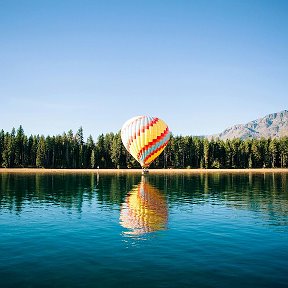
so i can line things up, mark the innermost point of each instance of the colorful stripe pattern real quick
(144, 210)
(145, 138)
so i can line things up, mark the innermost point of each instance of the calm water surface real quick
(82, 230)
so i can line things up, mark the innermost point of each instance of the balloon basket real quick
(145, 171)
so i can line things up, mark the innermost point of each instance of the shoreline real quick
(139, 171)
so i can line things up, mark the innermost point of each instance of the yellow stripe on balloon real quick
(148, 135)
(153, 157)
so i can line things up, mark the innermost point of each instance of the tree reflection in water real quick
(144, 207)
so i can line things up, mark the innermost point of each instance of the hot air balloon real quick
(145, 138)
(144, 210)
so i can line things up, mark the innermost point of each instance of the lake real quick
(128, 230)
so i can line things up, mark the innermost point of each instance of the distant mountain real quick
(273, 125)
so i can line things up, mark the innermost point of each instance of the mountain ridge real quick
(274, 125)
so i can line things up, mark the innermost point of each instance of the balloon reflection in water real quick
(145, 210)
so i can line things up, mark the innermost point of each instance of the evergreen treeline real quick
(71, 151)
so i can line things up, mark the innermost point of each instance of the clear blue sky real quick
(201, 66)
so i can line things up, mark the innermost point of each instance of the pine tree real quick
(41, 150)
(273, 149)
(8, 154)
(100, 152)
(206, 153)
(88, 153)
(19, 147)
(117, 151)
(256, 154)
(2, 139)
(199, 152)
(283, 147)
(80, 142)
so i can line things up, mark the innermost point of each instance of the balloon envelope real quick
(145, 138)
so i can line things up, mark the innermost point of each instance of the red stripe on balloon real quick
(134, 136)
(153, 142)
(154, 152)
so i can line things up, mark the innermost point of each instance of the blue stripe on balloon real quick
(154, 147)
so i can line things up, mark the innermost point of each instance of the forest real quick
(69, 150)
